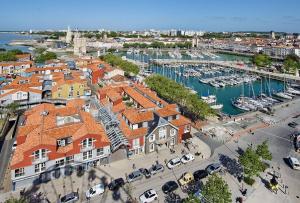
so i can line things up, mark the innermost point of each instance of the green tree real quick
(176, 93)
(251, 162)
(191, 199)
(45, 57)
(292, 63)
(263, 151)
(15, 200)
(216, 190)
(261, 60)
(12, 108)
(127, 66)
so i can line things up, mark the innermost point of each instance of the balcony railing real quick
(39, 160)
(87, 148)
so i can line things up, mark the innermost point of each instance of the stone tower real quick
(79, 44)
(69, 36)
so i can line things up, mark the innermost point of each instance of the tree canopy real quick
(251, 162)
(177, 93)
(216, 190)
(41, 58)
(127, 66)
(291, 63)
(262, 60)
(10, 55)
(251, 159)
(263, 151)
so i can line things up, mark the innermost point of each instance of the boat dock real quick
(227, 64)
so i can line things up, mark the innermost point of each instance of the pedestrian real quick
(133, 166)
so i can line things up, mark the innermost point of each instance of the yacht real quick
(292, 91)
(283, 95)
(217, 106)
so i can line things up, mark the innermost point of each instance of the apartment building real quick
(15, 67)
(70, 85)
(148, 122)
(22, 89)
(56, 141)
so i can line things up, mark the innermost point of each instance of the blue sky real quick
(208, 15)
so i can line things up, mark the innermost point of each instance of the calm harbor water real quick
(224, 95)
(6, 38)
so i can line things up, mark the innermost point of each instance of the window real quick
(87, 143)
(87, 155)
(39, 154)
(100, 152)
(60, 162)
(40, 167)
(69, 159)
(151, 147)
(173, 132)
(162, 132)
(19, 172)
(172, 141)
(151, 138)
(136, 142)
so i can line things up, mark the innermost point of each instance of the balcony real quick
(40, 160)
(87, 148)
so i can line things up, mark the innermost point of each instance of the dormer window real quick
(40, 154)
(64, 141)
(87, 142)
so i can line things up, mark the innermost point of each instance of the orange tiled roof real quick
(135, 116)
(181, 121)
(140, 99)
(150, 93)
(113, 95)
(129, 133)
(165, 112)
(40, 130)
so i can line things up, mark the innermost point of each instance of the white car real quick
(148, 196)
(294, 163)
(95, 190)
(187, 158)
(173, 162)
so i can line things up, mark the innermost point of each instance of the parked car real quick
(173, 162)
(71, 197)
(94, 191)
(169, 186)
(213, 168)
(187, 158)
(185, 179)
(294, 162)
(148, 196)
(146, 172)
(200, 174)
(292, 124)
(156, 169)
(116, 184)
(134, 176)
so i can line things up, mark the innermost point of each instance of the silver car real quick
(134, 176)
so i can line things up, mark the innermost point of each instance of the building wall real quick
(31, 177)
(167, 140)
(64, 90)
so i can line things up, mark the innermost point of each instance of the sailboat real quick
(283, 94)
